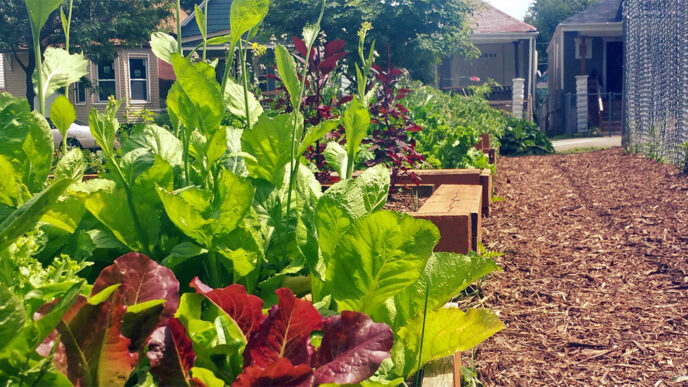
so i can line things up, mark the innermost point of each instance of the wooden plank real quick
(440, 373)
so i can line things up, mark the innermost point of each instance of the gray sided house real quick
(507, 52)
(586, 59)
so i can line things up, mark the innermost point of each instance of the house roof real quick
(604, 11)
(490, 20)
(218, 19)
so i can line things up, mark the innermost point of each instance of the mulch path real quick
(594, 288)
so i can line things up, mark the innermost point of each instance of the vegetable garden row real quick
(207, 251)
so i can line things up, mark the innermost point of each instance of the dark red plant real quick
(171, 355)
(280, 352)
(390, 142)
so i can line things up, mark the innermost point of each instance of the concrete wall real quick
(15, 84)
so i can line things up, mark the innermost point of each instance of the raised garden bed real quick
(456, 211)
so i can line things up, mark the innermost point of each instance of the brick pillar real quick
(582, 102)
(518, 89)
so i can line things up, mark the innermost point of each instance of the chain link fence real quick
(656, 78)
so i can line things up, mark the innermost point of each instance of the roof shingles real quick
(489, 20)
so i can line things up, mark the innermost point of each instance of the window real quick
(80, 92)
(588, 48)
(138, 79)
(106, 81)
(2, 72)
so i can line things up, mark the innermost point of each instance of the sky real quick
(515, 8)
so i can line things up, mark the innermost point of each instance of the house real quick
(586, 56)
(507, 52)
(135, 74)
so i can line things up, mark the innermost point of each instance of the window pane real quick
(139, 91)
(105, 89)
(80, 92)
(106, 71)
(137, 68)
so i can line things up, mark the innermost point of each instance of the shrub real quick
(522, 138)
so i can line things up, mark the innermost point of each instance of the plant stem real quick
(179, 26)
(205, 33)
(244, 73)
(39, 69)
(228, 65)
(214, 269)
(422, 332)
(69, 25)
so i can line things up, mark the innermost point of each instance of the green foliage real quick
(524, 138)
(452, 126)
(418, 34)
(60, 69)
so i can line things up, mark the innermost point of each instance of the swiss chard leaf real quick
(234, 101)
(286, 66)
(285, 333)
(446, 332)
(352, 349)
(62, 114)
(39, 11)
(60, 69)
(337, 158)
(26, 217)
(199, 85)
(268, 142)
(356, 124)
(448, 275)
(163, 46)
(244, 15)
(379, 256)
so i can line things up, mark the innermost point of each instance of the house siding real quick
(15, 78)
(122, 87)
(572, 65)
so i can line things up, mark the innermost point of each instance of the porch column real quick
(518, 90)
(582, 102)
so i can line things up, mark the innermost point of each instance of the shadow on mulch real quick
(595, 283)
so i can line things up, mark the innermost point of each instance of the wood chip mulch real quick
(594, 287)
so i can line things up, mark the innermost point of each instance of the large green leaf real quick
(205, 217)
(60, 69)
(62, 114)
(286, 67)
(317, 132)
(71, 165)
(163, 46)
(269, 142)
(27, 143)
(157, 140)
(379, 256)
(448, 274)
(198, 82)
(363, 195)
(446, 331)
(234, 101)
(26, 217)
(244, 15)
(39, 11)
(12, 316)
(356, 124)
(200, 20)
(336, 158)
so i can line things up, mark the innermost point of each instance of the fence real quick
(656, 77)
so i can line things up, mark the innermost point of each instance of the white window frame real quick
(3, 84)
(96, 96)
(75, 88)
(588, 48)
(145, 56)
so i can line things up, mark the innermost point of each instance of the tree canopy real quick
(547, 14)
(418, 33)
(98, 26)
